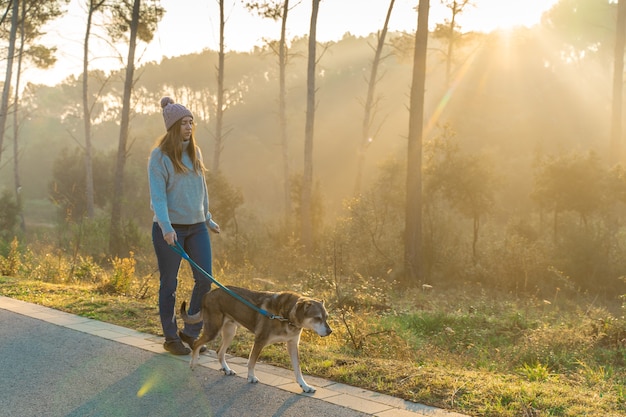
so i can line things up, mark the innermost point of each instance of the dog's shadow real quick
(164, 386)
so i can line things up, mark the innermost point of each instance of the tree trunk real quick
(618, 80)
(89, 191)
(476, 230)
(4, 105)
(451, 44)
(115, 236)
(413, 212)
(555, 225)
(16, 159)
(219, 113)
(456, 7)
(369, 103)
(3, 18)
(282, 111)
(307, 178)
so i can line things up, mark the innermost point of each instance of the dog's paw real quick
(307, 388)
(253, 379)
(228, 371)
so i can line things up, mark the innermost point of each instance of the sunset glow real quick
(181, 32)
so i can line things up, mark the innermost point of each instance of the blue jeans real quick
(194, 238)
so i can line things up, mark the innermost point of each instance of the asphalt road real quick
(53, 370)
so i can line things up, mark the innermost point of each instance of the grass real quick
(468, 350)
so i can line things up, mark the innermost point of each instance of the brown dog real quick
(223, 312)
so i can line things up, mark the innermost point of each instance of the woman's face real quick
(186, 127)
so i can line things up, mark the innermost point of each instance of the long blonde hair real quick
(171, 145)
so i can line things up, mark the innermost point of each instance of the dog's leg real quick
(292, 348)
(209, 332)
(229, 328)
(195, 356)
(254, 356)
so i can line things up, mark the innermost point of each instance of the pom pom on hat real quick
(173, 112)
(165, 101)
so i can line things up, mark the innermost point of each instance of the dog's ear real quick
(302, 305)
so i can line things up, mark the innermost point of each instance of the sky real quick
(193, 25)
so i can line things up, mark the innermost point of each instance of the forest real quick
(522, 176)
(521, 187)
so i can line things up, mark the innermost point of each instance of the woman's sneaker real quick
(176, 347)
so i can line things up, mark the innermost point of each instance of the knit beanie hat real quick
(173, 112)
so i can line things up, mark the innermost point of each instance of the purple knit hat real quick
(173, 112)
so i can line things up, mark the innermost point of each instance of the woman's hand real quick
(170, 238)
(214, 227)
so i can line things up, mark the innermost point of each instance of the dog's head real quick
(311, 314)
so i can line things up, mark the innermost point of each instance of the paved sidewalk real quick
(57, 364)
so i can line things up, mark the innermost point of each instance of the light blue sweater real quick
(176, 198)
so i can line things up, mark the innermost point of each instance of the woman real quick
(180, 202)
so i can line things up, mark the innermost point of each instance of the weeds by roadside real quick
(476, 353)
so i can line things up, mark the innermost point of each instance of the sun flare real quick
(489, 15)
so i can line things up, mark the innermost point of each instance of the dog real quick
(222, 312)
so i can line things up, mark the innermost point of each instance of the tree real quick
(225, 199)
(16, 171)
(618, 81)
(370, 101)
(141, 24)
(449, 32)
(67, 187)
(92, 7)
(467, 182)
(33, 16)
(368, 234)
(6, 88)
(9, 216)
(571, 182)
(282, 108)
(3, 18)
(273, 11)
(585, 27)
(219, 111)
(307, 178)
(413, 212)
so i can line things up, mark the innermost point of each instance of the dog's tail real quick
(195, 318)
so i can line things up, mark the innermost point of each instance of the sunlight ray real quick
(447, 96)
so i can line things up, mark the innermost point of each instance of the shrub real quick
(122, 276)
(52, 267)
(535, 372)
(87, 270)
(10, 265)
(9, 216)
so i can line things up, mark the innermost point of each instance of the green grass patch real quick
(482, 354)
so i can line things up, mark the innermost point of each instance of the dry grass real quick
(478, 354)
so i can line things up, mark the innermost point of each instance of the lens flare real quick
(147, 385)
(432, 121)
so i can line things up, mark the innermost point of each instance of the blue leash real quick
(179, 250)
